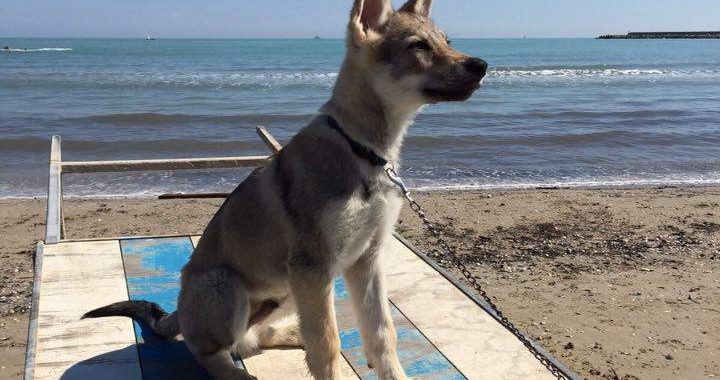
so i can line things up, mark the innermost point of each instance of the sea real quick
(552, 112)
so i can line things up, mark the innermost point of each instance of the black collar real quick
(361, 150)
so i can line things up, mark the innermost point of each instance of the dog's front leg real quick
(367, 289)
(312, 287)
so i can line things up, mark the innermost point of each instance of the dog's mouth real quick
(452, 93)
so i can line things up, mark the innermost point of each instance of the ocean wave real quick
(219, 80)
(213, 80)
(600, 72)
(134, 189)
(21, 50)
(580, 183)
(160, 119)
(251, 80)
(597, 138)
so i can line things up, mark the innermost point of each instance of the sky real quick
(327, 18)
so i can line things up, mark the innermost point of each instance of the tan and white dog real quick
(322, 207)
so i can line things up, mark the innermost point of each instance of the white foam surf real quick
(21, 50)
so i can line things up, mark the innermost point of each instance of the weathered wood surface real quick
(162, 164)
(53, 224)
(268, 139)
(283, 364)
(469, 337)
(453, 339)
(418, 356)
(76, 278)
(153, 266)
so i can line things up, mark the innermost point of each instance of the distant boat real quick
(148, 38)
(316, 38)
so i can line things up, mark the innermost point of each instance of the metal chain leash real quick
(471, 279)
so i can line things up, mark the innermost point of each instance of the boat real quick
(444, 330)
(148, 38)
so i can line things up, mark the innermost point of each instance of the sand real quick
(619, 284)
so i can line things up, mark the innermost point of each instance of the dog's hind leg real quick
(367, 291)
(282, 329)
(281, 333)
(214, 311)
(312, 287)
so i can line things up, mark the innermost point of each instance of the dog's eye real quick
(419, 45)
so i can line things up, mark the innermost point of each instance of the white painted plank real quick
(268, 139)
(286, 364)
(76, 278)
(53, 219)
(162, 164)
(469, 337)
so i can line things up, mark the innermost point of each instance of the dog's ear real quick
(368, 16)
(418, 7)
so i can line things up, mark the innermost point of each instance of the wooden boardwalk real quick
(442, 333)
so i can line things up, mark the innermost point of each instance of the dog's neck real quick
(366, 116)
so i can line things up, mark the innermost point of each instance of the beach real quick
(581, 183)
(617, 283)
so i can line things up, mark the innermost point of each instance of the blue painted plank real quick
(152, 267)
(418, 356)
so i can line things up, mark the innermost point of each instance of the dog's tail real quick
(163, 324)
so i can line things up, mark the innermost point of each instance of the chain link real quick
(473, 281)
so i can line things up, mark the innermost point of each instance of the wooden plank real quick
(468, 292)
(153, 273)
(282, 364)
(418, 356)
(53, 220)
(162, 164)
(76, 278)
(194, 196)
(31, 350)
(268, 139)
(468, 336)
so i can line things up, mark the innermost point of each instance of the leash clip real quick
(395, 178)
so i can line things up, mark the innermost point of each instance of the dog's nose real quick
(476, 66)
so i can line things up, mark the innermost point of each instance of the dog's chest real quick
(359, 221)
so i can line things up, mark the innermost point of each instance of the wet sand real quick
(619, 284)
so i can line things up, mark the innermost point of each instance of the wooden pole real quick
(268, 139)
(53, 220)
(162, 164)
(193, 196)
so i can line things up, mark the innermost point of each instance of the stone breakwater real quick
(660, 35)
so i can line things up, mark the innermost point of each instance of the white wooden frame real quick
(55, 224)
(54, 232)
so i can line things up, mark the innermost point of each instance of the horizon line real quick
(282, 38)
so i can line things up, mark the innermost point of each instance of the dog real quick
(262, 273)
